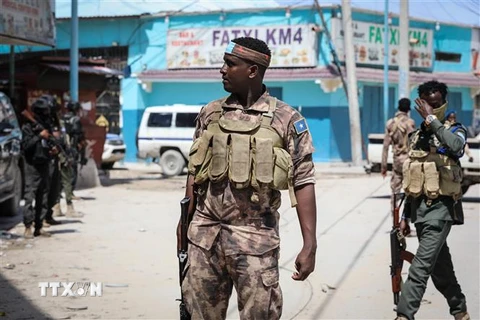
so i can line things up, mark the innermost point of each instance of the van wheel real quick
(172, 163)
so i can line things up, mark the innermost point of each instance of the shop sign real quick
(291, 46)
(368, 41)
(27, 22)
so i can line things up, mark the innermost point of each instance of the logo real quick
(71, 289)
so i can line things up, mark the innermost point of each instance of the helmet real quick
(52, 103)
(41, 105)
(73, 106)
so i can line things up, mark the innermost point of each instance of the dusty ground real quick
(126, 241)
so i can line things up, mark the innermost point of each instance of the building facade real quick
(175, 59)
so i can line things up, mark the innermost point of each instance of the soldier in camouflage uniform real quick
(396, 134)
(432, 182)
(234, 232)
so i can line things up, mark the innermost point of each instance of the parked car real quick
(166, 133)
(11, 160)
(113, 150)
(471, 170)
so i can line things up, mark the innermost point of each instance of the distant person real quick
(451, 117)
(397, 130)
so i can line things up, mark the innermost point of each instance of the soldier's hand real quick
(54, 151)
(384, 173)
(44, 134)
(304, 264)
(404, 227)
(423, 108)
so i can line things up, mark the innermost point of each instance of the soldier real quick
(396, 134)
(234, 236)
(76, 138)
(432, 181)
(38, 154)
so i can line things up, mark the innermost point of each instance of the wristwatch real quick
(429, 119)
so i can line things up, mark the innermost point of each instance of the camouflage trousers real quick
(210, 277)
(397, 176)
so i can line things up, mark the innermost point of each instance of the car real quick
(11, 160)
(113, 150)
(166, 133)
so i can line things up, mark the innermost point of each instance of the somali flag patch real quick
(230, 47)
(300, 126)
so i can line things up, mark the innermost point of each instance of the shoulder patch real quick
(300, 126)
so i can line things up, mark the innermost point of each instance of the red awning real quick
(98, 70)
(453, 79)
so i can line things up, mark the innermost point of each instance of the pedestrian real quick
(246, 148)
(38, 154)
(451, 117)
(397, 130)
(432, 182)
(76, 139)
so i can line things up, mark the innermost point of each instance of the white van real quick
(166, 133)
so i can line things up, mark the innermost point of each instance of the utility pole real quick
(74, 53)
(353, 106)
(386, 34)
(403, 54)
(11, 76)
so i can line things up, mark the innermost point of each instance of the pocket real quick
(415, 179)
(450, 180)
(263, 160)
(282, 170)
(432, 179)
(270, 277)
(240, 164)
(219, 164)
(199, 149)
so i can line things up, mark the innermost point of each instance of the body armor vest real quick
(431, 173)
(249, 154)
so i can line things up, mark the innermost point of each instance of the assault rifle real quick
(398, 251)
(52, 142)
(183, 254)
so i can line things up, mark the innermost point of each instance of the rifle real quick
(398, 251)
(52, 142)
(183, 254)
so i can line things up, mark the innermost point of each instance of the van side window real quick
(185, 120)
(160, 120)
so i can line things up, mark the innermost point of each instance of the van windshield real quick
(160, 120)
(185, 120)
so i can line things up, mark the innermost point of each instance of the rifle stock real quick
(398, 251)
(183, 253)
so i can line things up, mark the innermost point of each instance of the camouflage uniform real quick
(396, 133)
(234, 240)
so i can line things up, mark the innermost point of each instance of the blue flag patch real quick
(300, 126)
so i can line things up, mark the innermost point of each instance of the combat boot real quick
(57, 211)
(71, 213)
(50, 222)
(462, 316)
(41, 233)
(28, 234)
(401, 318)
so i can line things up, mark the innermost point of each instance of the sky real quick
(451, 11)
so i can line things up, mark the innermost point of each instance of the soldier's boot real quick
(57, 211)
(462, 316)
(50, 222)
(28, 234)
(41, 233)
(71, 213)
(401, 318)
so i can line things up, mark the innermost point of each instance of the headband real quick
(245, 53)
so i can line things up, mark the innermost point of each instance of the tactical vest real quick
(248, 154)
(431, 173)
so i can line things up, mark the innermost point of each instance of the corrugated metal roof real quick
(455, 12)
(98, 70)
(292, 74)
